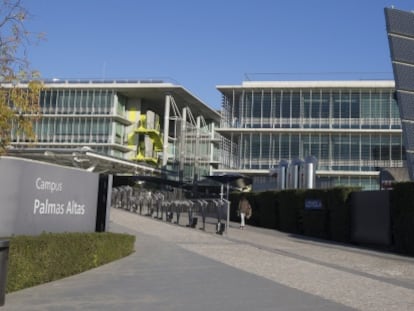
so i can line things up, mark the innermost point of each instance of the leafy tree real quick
(19, 103)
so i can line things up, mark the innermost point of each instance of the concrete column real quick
(133, 113)
(197, 150)
(212, 144)
(181, 154)
(166, 130)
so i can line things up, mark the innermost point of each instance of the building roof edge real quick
(313, 84)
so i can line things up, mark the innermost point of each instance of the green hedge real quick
(316, 221)
(402, 215)
(267, 211)
(285, 211)
(340, 213)
(39, 259)
(290, 207)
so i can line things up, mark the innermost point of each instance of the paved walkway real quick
(179, 268)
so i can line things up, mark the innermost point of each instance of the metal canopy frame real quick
(85, 158)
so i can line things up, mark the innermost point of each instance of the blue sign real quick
(314, 204)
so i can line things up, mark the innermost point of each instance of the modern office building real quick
(400, 28)
(133, 127)
(352, 128)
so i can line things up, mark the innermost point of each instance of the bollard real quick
(4, 259)
(220, 227)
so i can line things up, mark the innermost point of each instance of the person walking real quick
(245, 211)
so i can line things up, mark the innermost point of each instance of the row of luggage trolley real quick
(164, 205)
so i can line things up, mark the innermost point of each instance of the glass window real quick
(354, 148)
(325, 105)
(267, 109)
(395, 113)
(345, 105)
(277, 97)
(285, 103)
(315, 105)
(365, 105)
(324, 150)
(265, 146)
(295, 105)
(376, 105)
(294, 146)
(247, 108)
(257, 105)
(336, 105)
(307, 104)
(255, 145)
(376, 148)
(365, 147)
(284, 147)
(276, 146)
(355, 105)
(306, 144)
(341, 147)
(315, 146)
(396, 148)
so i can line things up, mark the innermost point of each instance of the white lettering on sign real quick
(313, 204)
(74, 208)
(47, 185)
(49, 207)
(46, 207)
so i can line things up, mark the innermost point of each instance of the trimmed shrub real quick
(316, 221)
(266, 204)
(39, 259)
(290, 207)
(285, 211)
(402, 217)
(234, 198)
(340, 213)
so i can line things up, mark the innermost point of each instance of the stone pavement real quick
(179, 268)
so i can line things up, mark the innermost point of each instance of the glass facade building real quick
(353, 129)
(156, 123)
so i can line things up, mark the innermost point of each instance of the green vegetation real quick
(331, 217)
(402, 214)
(285, 211)
(39, 259)
(19, 107)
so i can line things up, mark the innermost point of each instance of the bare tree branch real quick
(18, 106)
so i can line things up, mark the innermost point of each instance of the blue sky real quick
(202, 44)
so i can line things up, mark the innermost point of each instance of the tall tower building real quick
(400, 28)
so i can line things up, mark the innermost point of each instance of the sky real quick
(202, 44)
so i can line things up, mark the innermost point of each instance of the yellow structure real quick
(146, 138)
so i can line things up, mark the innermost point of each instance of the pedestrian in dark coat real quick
(245, 211)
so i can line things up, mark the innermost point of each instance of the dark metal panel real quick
(400, 22)
(370, 218)
(410, 162)
(404, 76)
(408, 129)
(400, 28)
(402, 49)
(406, 105)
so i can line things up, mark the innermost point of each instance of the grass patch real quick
(35, 260)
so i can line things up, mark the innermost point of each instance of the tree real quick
(19, 104)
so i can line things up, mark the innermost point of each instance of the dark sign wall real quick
(371, 218)
(37, 197)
